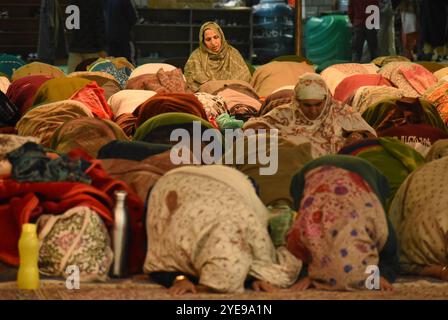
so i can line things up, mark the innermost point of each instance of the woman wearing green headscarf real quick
(187, 133)
(394, 159)
(9, 63)
(215, 59)
(58, 89)
(341, 227)
(158, 129)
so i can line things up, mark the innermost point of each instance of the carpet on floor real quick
(140, 288)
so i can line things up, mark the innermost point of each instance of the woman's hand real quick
(385, 285)
(52, 155)
(181, 287)
(301, 285)
(259, 285)
(354, 136)
(5, 169)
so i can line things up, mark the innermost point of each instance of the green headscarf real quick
(167, 119)
(58, 89)
(390, 156)
(376, 114)
(10, 63)
(376, 180)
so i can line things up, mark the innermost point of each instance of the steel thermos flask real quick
(120, 236)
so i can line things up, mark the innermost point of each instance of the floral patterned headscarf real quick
(312, 86)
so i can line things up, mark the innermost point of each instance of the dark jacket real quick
(357, 11)
(121, 16)
(91, 35)
(52, 44)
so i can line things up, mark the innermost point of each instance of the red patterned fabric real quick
(347, 87)
(161, 82)
(93, 97)
(25, 202)
(21, 92)
(418, 77)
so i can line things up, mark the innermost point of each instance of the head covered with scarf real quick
(205, 64)
(314, 115)
(341, 226)
(21, 92)
(312, 87)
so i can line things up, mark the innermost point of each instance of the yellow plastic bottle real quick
(28, 274)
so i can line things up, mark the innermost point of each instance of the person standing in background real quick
(434, 23)
(121, 16)
(89, 40)
(386, 34)
(52, 44)
(358, 16)
(408, 11)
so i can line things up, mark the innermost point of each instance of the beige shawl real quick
(205, 65)
(220, 237)
(277, 74)
(420, 218)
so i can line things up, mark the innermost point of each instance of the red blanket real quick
(93, 97)
(347, 87)
(21, 92)
(170, 102)
(418, 77)
(25, 202)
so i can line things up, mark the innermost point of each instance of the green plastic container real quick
(328, 38)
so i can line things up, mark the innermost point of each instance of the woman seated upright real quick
(215, 59)
(314, 114)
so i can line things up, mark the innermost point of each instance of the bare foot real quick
(385, 285)
(301, 285)
(259, 285)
